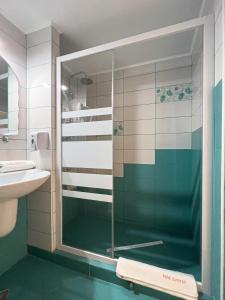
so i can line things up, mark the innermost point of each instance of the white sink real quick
(14, 185)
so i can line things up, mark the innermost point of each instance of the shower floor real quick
(94, 234)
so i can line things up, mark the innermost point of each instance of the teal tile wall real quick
(87, 224)
(158, 197)
(216, 207)
(13, 247)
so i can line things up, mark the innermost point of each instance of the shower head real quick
(86, 81)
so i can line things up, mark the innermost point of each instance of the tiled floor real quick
(36, 279)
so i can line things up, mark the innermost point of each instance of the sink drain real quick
(4, 295)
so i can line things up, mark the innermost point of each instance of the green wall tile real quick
(13, 247)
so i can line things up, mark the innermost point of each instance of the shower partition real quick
(121, 191)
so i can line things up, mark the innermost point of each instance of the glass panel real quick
(87, 153)
(158, 153)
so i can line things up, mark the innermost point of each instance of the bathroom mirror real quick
(9, 99)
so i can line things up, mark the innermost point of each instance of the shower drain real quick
(4, 295)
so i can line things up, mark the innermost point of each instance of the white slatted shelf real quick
(87, 128)
(87, 196)
(87, 154)
(87, 112)
(87, 180)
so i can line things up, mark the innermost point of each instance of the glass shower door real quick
(87, 155)
(158, 157)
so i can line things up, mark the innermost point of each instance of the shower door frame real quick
(207, 23)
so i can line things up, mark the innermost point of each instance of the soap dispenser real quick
(39, 141)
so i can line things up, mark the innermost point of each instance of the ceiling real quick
(87, 23)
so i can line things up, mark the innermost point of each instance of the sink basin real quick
(14, 185)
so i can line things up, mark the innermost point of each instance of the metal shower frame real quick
(207, 23)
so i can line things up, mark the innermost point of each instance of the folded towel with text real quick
(171, 282)
(16, 165)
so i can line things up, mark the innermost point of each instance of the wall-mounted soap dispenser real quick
(39, 141)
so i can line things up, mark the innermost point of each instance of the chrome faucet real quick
(4, 138)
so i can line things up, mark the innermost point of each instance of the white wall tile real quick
(196, 103)
(39, 55)
(104, 77)
(173, 109)
(139, 70)
(40, 201)
(40, 36)
(118, 142)
(139, 112)
(102, 101)
(105, 87)
(40, 240)
(37, 122)
(41, 117)
(108, 76)
(139, 127)
(39, 76)
(12, 154)
(173, 141)
(173, 63)
(173, 125)
(39, 97)
(92, 90)
(49, 185)
(118, 100)
(39, 221)
(196, 120)
(14, 145)
(146, 141)
(118, 156)
(173, 77)
(118, 170)
(139, 156)
(141, 82)
(139, 97)
(118, 114)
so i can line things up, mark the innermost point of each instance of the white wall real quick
(42, 49)
(13, 50)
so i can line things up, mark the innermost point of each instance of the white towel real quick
(174, 283)
(16, 165)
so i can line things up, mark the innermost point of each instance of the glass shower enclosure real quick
(133, 157)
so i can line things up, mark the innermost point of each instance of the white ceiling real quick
(86, 23)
